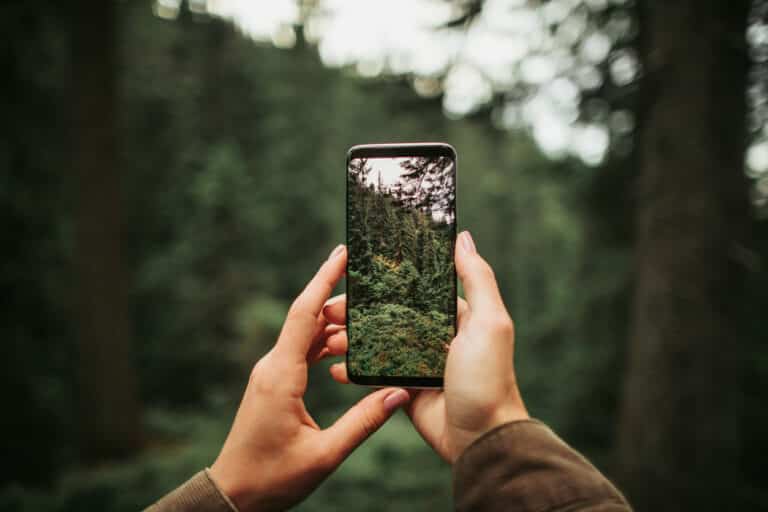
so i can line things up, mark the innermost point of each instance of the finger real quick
(317, 349)
(335, 309)
(337, 344)
(462, 308)
(332, 342)
(362, 420)
(427, 413)
(318, 356)
(334, 345)
(425, 407)
(477, 277)
(331, 329)
(301, 323)
(339, 373)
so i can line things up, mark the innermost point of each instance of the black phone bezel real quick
(395, 150)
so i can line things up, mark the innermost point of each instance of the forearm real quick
(524, 466)
(198, 494)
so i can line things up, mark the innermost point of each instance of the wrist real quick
(465, 435)
(512, 411)
(232, 487)
(224, 495)
(494, 433)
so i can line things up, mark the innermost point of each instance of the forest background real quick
(169, 184)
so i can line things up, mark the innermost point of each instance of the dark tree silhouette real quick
(110, 418)
(359, 170)
(427, 185)
(677, 435)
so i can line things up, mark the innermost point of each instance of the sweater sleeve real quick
(524, 466)
(198, 494)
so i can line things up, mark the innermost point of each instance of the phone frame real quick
(391, 151)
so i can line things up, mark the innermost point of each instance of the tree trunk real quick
(677, 432)
(109, 416)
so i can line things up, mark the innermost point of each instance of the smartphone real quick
(401, 279)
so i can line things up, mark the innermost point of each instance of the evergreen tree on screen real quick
(401, 276)
(427, 185)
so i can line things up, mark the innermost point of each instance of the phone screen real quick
(401, 280)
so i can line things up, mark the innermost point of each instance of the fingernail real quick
(333, 300)
(396, 399)
(468, 243)
(330, 302)
(338, 250)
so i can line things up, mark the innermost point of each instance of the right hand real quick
(480, 390)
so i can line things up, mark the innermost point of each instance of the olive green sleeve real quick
(524, 466)
(198, 494)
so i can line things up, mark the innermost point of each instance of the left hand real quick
(276, 454)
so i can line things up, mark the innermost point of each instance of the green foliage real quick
(396, 340)
(234, 193)
(393, 470)
(233, 158)
(392, 467)
(401, 286)
(186, 443)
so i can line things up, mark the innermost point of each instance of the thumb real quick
(477, 277)
(363, 419)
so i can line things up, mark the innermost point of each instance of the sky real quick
(389, 171)
(387, 168)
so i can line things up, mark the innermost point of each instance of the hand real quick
(276, 454)
(480, 390)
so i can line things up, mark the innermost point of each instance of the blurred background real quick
(173, 173)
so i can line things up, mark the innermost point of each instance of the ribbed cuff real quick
(197, 494)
